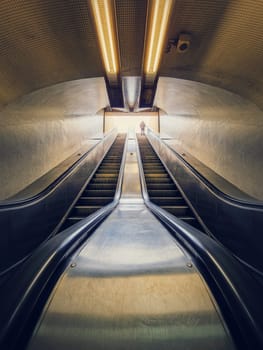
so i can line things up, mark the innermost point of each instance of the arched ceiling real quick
(43, 43)
(227, 46)
(47, 42)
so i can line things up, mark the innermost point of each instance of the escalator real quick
(134, 280)
(101, 189)
(161, 188)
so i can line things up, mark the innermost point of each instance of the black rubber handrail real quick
(23, 296)
(235, 289)
(24, 292)
(6, 204)
(257, 204)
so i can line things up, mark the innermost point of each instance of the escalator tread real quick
(101, 188)
(161, 188)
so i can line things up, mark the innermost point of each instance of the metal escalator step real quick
(156, 180)
(161, 186)
(147, 166)
(147, 153)
(177, 201)
(107, 172)
(148, 162)
(109, 167)
(99, 180)
(94, 201)
(103, 175)
(101, 189)
(153, 165)
(110, 160)
(102, 186)
(177, 210)
(98, 193)
(154, 171)
(162, 193)
(160, 179)
(161, 189)
(114, 157)
(84, 210)
(149, 158)
(158, 175)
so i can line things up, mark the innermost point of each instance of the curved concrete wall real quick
(40, 130)
(221, 129)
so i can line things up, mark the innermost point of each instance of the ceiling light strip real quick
(159, 15)
(104, 19)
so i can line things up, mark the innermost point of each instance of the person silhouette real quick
(142, 126)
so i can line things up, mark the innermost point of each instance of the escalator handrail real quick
(256, 204)
(19, 301)
(236, 287)
(6, 204)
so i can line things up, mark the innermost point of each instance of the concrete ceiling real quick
(43, 43)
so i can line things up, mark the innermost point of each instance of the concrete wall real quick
(221, 129)
(40, 130)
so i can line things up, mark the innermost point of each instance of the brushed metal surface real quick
(131, 182)
(131, 287)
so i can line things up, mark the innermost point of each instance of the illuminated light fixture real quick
(159, 15)
(103, 13)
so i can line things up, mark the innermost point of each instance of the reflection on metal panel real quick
(131, 182)
(131, 287)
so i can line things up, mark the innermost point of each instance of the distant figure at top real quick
(142, 126)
